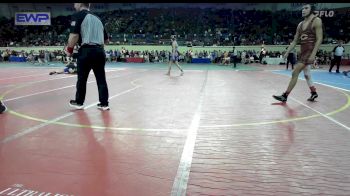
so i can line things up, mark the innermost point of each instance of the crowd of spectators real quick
(158, 56)
(155, 26)
(41, 56)
(210, 27)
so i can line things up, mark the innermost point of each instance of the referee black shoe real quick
(314, 95)
(282, 98)
(102, 107)
(3, 108)
(75, 105)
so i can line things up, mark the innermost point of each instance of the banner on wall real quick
(32, 18)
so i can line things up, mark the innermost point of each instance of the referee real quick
(88, 31)
(338, 52)
(234, 56)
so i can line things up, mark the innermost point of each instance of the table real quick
(345, 62)
(135, 60)
(201, 60)
(17, 59)
(273, 61)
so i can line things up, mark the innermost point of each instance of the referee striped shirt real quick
(89, 27)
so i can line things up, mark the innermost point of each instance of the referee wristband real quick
(70, 50)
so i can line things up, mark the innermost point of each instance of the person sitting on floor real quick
(315, 64)
(225, 59)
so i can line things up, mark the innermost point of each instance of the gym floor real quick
(213, 131)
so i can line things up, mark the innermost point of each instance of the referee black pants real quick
(336, 60)
(91, 57)
(290, 59)
(261, 56)
(234, 61)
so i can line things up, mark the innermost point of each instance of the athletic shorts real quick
(174, 57)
